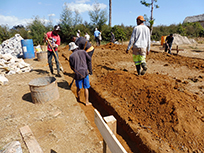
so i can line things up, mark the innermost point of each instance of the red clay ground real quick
(164, 107)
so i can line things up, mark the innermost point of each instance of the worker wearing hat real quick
(54, 39)
(80, 63)
(140, 39)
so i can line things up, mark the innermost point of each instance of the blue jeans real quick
(50, 54)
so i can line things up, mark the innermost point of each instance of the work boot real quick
(144, 66)
(138, 69)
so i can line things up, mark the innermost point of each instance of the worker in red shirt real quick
(54, 39)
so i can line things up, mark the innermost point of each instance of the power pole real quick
(110, 10)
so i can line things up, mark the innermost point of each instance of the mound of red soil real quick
(160, 110)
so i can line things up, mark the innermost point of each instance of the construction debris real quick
(13, 65)
(3, 80)
(12, 46)
(12, 147)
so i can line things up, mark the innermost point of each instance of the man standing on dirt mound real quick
(54, 40)
(140, 39)
(80, 63)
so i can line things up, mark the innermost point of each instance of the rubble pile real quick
(12, 46)
(12, 65)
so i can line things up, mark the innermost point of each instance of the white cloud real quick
(81, 6)
(11, 21)
(51, 14)
(82, 1)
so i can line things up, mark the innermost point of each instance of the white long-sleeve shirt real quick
(140, 38)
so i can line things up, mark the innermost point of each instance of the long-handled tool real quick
(61, 68)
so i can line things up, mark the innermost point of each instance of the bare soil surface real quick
(161, 111)
(164, 108)
(59, 126)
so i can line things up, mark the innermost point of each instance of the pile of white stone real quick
(12, 65)
(9, 65)
(12, 46)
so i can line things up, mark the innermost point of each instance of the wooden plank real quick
(107, 134)
(112, 124)
(30, 140)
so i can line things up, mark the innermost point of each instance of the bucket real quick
(28, 48)
(44, 89)
(42, 56)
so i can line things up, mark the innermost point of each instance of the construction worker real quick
(140, 39)
(87, 36)
(168, 43)
(96, 35)
(112, 37)
(54, 40)
(83, 44)
(78, 33)
(80, 63)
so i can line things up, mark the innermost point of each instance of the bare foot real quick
(88, 104)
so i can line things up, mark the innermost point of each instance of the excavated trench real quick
(103, 106)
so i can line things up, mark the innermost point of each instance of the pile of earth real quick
(159, 109)
(179, 40)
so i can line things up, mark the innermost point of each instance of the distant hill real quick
(196, 18)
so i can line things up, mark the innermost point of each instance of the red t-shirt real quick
(55, 39)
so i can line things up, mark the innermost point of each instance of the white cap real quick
(72, 46)
(78, 30)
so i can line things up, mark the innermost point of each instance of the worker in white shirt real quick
(140, 39)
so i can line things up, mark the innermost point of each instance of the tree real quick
(20, 29)
(4, 33)
(37, 30)
(66, 22)
(77, 18)
(151, 21)
(98, 17)
(110, 11)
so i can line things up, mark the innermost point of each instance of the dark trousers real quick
(50, 54)
(97, 41)
(168, 48)
(91, 53)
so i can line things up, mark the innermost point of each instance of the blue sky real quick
(14, 12)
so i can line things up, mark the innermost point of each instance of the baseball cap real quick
(57, 28)
(141, 18)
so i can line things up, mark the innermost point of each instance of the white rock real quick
(3, 80)
(12, 147)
